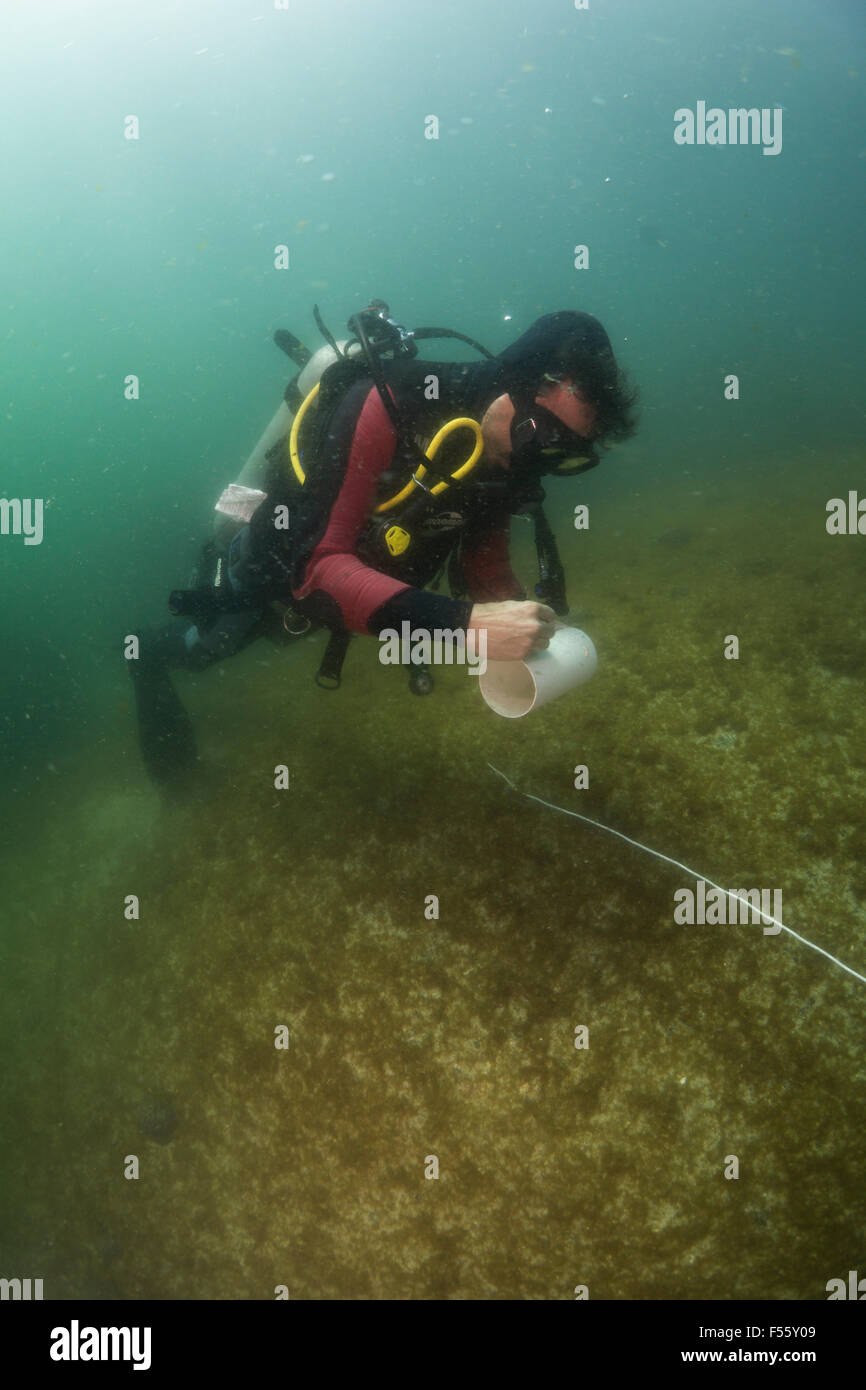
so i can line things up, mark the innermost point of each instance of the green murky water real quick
(305, 908)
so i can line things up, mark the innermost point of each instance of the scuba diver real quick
(380, 474)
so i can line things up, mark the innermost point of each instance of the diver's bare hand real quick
(514, 628)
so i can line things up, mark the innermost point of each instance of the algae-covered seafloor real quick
(455, 1037)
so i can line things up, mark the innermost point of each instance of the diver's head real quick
(550, 432)
(563, 394)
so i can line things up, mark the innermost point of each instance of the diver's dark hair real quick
(574, 344)
(604, 382)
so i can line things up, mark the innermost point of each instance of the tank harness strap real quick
(330, 672)
(550, 588)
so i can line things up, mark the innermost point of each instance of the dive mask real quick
(541, 443)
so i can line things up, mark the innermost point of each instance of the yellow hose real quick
(461, 422)
(294, 456)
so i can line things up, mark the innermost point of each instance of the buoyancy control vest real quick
(426, 500)
(435, 485)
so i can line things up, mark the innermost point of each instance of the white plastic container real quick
(514, 688)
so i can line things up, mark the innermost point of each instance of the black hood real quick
(563, 343)
(554, 343)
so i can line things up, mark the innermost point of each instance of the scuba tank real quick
(312, 365)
